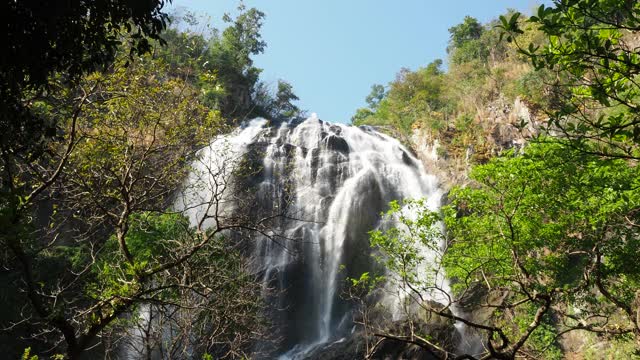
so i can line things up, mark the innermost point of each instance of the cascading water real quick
(335, 180)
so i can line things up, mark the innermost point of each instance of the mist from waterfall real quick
(335, 180)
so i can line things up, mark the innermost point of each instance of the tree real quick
(284, 101)
(469, 29)
(362, 116)
(411, 277)
(70, 39)
(549, 236)
(465, 43)
(593, 46)
(97, 240)
(185, 52)
(414, 96)
(46, 50)
(229, 59)
(375, 96)
(92, 243)
(220, 64)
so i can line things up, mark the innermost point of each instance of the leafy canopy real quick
(69, 38)
(593, 44)
(549, 235)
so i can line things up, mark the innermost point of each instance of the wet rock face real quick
(407, 160)
(336, 143)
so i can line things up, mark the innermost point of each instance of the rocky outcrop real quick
(503, 125)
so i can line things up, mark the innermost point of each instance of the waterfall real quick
(334, 180)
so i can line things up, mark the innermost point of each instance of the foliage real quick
(406, 248)
(594, 44)
(537, 89)
(120, 144)
(284, 101)
(403, 249)
(375, 97)
(483, 72)
(184, 52)
(69, 40)
(363, 116)
(230, 60)
(551, 226)
(465, 45)
(210, 303)
(550, 234)
(89, 244)
(220, 64)
(279, 105)
(139, 131)
(470, 29)
(409, 99)
(99, 242)
(27, 355)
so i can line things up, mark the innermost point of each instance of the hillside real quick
(522, 128)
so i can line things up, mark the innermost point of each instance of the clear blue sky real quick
(332, 51)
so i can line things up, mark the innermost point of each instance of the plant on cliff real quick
(412, 97)
(464, 44)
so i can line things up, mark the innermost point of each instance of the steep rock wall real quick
(504, 125)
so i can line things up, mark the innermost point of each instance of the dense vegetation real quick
(69, 40)
(453, 105)
(93, 247)
(104, 106)
(220, 64)
(542, 244)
